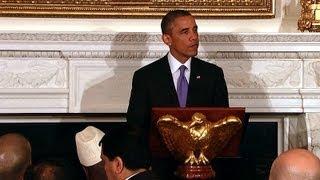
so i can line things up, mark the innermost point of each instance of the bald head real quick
(296, 164)
(15, 156)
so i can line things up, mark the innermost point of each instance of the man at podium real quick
(178, 79)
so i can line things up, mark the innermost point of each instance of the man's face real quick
(183, 39)
(109, 168)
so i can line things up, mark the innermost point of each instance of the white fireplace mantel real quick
(74, 72)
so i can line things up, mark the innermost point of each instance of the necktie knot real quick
(182, 69)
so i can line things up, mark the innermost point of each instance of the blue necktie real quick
(182, 87)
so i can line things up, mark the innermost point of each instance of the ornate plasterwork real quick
(115, 54)
(144, 53)
(220, 55)
(256, 55)
(32, 74)
(283, 96)
(138, 54)
(269, 74)
(316, 69)
(309, 55)
(156, 37)
(30, 54)
(116, 37)
(312, 74)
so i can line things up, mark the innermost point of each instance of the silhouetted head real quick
(95, 172)
(123, 155)
(54, 169)
(15, 156)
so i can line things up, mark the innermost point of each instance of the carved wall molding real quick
(30, 54)
(271, 96)
(76, 36)
(156, 37)
(116, 54)
(312, 74)
(258, 55)
(263, 74)
(31, 73)
(138, 54)
(309, 55)
(259, 37)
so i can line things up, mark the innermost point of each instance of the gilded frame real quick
(137, 8)
(310, 16)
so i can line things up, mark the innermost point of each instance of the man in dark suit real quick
(124, 157)
(156, 84)
(176, 80)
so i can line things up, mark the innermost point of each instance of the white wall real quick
(287, 14)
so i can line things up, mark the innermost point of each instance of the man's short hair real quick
(128, 147)
(169, 18)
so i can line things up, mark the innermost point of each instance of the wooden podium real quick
(158, 147)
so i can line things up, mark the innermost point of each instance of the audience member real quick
(15, 156)
(125, 157)
(296, 164)
(89, 151)
(53, 169)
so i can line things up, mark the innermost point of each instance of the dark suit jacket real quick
(145, 175)
(152, 86)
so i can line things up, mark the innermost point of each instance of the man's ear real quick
(118, 165)
(166, 38)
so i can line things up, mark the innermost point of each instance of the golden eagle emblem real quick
(197, 141)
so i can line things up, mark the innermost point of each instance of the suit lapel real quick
(194, 81)
(167, 80)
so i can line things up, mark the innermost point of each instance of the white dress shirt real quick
(174, 67)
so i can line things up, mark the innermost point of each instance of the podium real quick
(159, 149)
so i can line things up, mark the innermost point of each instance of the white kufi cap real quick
(88, 149)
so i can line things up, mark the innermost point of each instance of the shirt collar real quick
(135, 174)
(175, 64)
